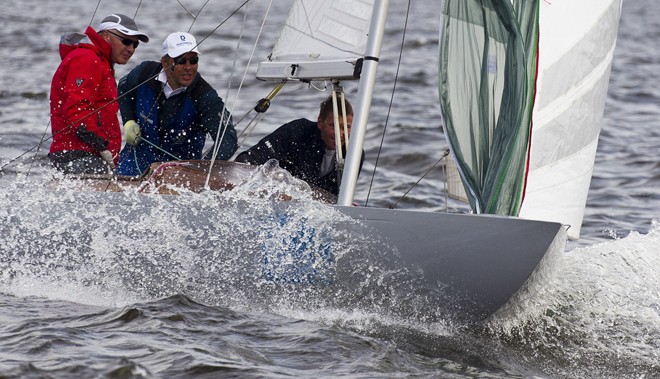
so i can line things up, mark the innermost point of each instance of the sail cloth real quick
(577, 41)
(487, 77)
(486, 101)
(321, 40)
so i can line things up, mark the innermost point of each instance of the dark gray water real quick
(598, 316)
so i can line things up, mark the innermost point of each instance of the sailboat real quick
(521, 105)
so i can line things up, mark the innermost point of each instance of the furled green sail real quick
(488, 53)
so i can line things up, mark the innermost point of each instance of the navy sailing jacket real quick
(299, 148)
(176, 126)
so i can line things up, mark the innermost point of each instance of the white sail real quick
(320, 40)
(576, 46)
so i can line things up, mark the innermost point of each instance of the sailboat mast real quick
(363, 103)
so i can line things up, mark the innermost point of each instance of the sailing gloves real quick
(107, 157)
(132, 132)
(97, 142)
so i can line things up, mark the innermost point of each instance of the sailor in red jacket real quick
(83, 96)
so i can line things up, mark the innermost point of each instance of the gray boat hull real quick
(480, 261)
(240, 249)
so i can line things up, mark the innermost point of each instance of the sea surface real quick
(71, 314)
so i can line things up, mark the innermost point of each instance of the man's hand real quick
(132, 132)
(107, 156)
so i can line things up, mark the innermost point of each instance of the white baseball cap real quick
(123, 24)
(179, 43)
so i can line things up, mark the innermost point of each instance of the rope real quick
(19, 156)
(240, 86)
(220, 137)
(251, 125)
(261, 107)
(41, 142)
(44, 139)
(135, 157)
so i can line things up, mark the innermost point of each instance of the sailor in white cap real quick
(172, 110)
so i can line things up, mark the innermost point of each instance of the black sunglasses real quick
(125, 41)
(184, 60)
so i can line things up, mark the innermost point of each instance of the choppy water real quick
(598, 315)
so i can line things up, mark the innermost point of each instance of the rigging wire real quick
(249, 128)
(446, 185)
(194, 17)
(44, 138)
(254, 48)
(189, 12)
(231, 78)
(223, 22)
(98, 4)
(420, 179)
(403, 38)
(41, 142)
(260, 108)
(389, 109)
(20, 156)
(137, 9)
(240, 85)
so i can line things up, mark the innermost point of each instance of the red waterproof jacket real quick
(83, 97)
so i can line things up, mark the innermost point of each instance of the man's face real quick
(181, 70)
(123, 46)
(327, 128)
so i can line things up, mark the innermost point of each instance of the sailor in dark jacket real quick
(168, 117)
(304, 148)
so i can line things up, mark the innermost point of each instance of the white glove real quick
(132, 132)
(107, 157)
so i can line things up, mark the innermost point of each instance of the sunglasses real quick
(184, 60)
(126, 41)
